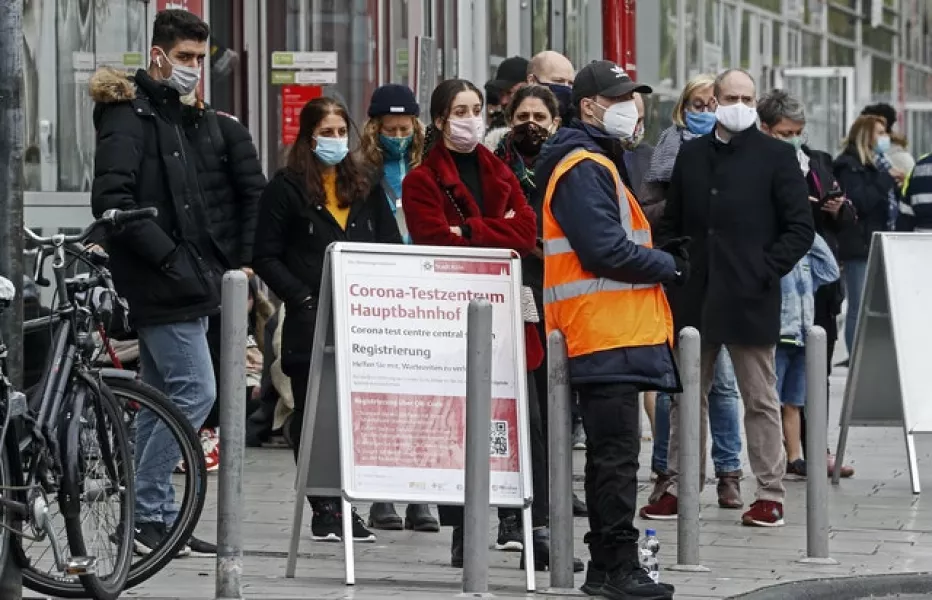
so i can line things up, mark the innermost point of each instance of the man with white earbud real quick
(739, 205)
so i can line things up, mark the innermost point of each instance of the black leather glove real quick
(682, 269)
(677, 247)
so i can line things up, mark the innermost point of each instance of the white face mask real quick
(736, 117)
(620, 119)
(182, 79)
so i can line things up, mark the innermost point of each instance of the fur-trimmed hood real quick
(109, 86)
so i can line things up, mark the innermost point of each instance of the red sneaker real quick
(764, 513)
(664, 509)
(210, 442)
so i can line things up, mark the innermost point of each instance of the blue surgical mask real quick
(331, 151)
(700, 123)
(883, 144)
(395, 147)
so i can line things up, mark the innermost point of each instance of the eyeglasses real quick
(699, 107)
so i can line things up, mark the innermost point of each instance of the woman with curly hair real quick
(392, 144)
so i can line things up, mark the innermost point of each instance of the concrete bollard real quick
(232, 397)
(559, 427)
(478, 422)
(690, 454)
(817, 524)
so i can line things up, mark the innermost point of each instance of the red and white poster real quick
(194, 6)
(294, 97)
(402, 359)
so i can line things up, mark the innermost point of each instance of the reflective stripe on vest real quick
(595, 313)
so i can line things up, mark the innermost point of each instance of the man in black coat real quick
(167, 268)
(738, 201)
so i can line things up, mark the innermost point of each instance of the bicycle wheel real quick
(139, 401)
(6, 519)
(97, 494)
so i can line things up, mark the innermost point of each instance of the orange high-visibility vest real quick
(595, 313)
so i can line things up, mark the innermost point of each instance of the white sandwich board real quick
(887, 374)
(387, 389)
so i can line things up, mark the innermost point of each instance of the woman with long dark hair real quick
(462, 195)
(320, 197)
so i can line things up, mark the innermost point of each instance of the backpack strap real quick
(216, 136)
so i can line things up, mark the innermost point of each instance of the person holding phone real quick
(782, 116)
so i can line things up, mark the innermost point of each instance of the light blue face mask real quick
(883, 144)
(700, 123)
(395, 147)
(331, 151)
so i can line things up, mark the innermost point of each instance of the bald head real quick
(550, 67)
(735, 85)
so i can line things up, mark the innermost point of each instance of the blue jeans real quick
(724, 421)
(174, 359)
(854, 273)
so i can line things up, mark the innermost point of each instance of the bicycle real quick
(137, 401)
(69, 446)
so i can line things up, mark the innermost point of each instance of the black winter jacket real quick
(231, 180)
(167, 268)
(745, 207)
(292, 236)
(868, 190)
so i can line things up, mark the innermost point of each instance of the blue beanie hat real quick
(393, 99)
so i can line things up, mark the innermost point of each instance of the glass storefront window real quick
(668, 25)
(540, 29)
(498, 36)
(842, 23)
(879, 39)
(63, 43)
(811, 50)
(881, 80)
(840, 56)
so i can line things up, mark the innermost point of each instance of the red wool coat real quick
(429, 214)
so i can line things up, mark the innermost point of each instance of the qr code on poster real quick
(499, 440)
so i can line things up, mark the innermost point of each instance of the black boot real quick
(542, 552)
(630, 580)
(418, 518)
(382, 515)
(456, 548)
(259, 425)
(579, 507)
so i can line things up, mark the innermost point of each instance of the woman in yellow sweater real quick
(320, 197)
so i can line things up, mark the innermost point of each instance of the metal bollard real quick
(478, 422)
(232, 397)
(559, 427)
(690, 411)
(817, 524)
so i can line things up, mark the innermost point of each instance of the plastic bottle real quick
(649, 548)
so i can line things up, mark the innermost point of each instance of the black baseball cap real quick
(605, 78)
(510, 71)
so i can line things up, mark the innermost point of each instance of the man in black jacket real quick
(740, 198)
(231, 181)
(167, 268)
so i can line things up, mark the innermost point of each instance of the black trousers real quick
(610, 416)
(452, 516)
(299, 383)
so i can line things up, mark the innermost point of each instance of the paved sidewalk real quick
(878, 526)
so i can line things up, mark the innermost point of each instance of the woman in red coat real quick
(463, 195)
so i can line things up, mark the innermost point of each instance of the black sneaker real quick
(326, 525)
(148, 537)
(595, 579)
(360, 532)
(199, 547)
(456, 548)
(579, 507)
(796, 470)
(632, 581)
(510, 538)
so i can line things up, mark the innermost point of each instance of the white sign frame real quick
(330, 325)
(882, 388)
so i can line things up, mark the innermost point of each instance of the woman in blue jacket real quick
(392, 144)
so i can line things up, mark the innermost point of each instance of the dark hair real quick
(174, 25)
(441, 100)
(541, 92)
(882, 109)
(352, 180)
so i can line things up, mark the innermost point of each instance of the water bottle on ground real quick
(649, 548)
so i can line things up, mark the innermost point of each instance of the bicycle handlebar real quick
(111, 218)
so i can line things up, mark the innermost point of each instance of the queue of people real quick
(731, 224)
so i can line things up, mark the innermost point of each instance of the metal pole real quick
(816, 437)
(12, 135)
(478, 422)
(559, 426)
(687, 525)
(232, 398)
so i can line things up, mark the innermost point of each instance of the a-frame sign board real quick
(888, 369)
(385, 413)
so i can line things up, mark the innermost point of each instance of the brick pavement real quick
(878, 526)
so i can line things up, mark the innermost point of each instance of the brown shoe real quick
(846, 471)
(660, 488)
(729, 490)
